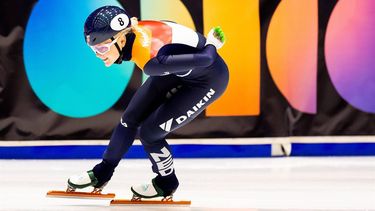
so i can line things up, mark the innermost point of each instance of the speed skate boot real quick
(98, 178)
(84, 180)
(159, 187)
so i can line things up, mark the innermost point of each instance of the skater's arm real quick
(161, 64)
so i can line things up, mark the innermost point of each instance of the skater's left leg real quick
(179, 110)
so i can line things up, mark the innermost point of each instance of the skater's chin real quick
(107, 62)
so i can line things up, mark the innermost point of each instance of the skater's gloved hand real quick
(216, 37)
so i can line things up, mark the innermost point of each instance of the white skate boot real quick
(84, 180)
(147, 191)
(80, 181)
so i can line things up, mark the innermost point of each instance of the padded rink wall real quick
(198, 148)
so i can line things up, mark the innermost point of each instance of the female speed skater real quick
(186, 74)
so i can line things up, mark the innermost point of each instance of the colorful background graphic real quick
(173, 10)
(297, 68)
(292, 46)
(350, 50)
(63, 71)
(241, 53)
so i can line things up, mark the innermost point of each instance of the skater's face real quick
(107, 51)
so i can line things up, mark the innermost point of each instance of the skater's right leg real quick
(121, 140)
(147, 98)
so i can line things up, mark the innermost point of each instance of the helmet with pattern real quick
(104, 23)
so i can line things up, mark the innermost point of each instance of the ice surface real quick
(298, 183)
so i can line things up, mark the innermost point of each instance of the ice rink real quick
(285, 183)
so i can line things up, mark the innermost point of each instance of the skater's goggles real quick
(103, 48)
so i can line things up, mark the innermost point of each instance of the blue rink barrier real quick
(199, 148)
(333, 149)
(95, 151)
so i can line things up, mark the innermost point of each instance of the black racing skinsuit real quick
(183, 81)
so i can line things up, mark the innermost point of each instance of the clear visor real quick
(103, 48)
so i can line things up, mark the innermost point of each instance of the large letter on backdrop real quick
(350, 52)
(63, 71)
(240, 22)
(292, 46)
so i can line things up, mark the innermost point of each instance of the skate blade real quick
(80, 195)
(148, 202)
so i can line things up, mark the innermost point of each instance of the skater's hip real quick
(217, 73)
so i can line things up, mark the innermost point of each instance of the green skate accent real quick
(93, 182)
(218, 33)
(159, 192)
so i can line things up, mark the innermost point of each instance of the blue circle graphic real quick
(62, 70)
